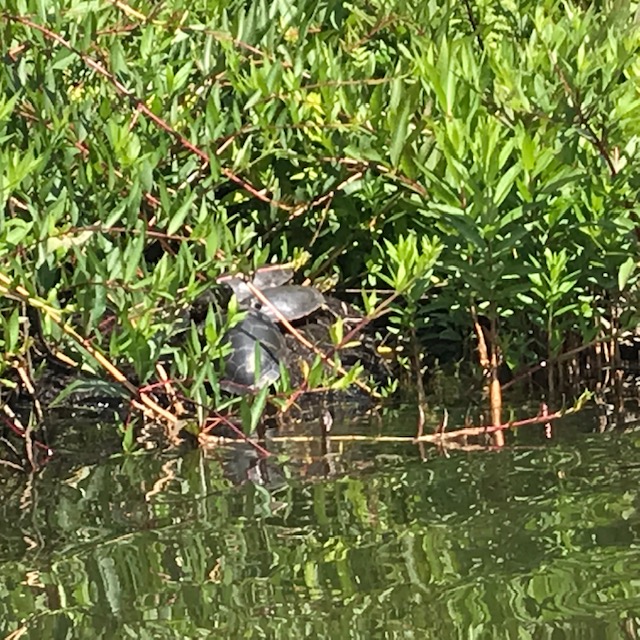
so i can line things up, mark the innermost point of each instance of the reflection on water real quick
(540, 540)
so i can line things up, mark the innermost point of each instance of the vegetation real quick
(469, 169)
(470, 159)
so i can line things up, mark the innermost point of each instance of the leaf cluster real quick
(462, 154)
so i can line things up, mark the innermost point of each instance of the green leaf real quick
(128, 442)
(505, 184)
(625, 271)
(399, 134)
(528, 152)
(178, 218)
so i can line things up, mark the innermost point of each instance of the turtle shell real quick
(255, 340)
(292, 301)
(272, 276)
(264, 278)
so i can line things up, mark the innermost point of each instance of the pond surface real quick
(370, 540)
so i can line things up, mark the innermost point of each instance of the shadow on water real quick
(540, 540)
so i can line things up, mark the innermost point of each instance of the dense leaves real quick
(466, 154)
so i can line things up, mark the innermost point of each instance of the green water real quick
(540, 540)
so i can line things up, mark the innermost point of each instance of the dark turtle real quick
(258, 330)
(292, 301)
(254, 339)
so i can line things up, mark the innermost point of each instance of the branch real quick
(142, 107)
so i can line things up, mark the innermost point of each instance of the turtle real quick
(258, 330)
(273, 276)
(258, 335)
(291, 301)
(257, 347)
(263, 278)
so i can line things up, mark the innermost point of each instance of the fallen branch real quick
(479, 431)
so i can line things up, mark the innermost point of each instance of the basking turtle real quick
(258, 331)
(263, 278)
(291, 301)
(257, 346)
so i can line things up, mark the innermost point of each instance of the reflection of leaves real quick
(535, 536)
(90, 388)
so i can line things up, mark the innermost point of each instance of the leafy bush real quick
(469, 155)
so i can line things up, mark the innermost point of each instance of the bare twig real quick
(205, 439)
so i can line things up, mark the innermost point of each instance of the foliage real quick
(465, 154)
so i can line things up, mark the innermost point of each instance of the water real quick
(371, 540)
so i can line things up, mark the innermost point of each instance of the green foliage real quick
(251, 410)
(490, 149)
(127, 433)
